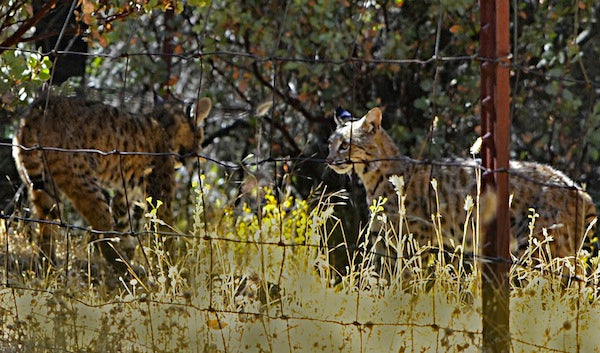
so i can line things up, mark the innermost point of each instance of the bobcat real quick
(564, 209)
(86, 177)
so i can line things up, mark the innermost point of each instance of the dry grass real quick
(257, 279)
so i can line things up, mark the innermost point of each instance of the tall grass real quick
(256, 278)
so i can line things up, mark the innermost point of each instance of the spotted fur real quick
(363, 147)
(85, 178)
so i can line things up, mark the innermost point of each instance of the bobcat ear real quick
(203, 107)
(341, 115)
(373, 118)
(158, 100)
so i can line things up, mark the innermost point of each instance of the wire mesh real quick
(273, 164)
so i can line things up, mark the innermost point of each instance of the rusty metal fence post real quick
(495, 125)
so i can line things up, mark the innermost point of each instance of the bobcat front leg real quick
(120, 212)
(45, 208)
(85, 193)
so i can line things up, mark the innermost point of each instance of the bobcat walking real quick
(564, 209)
(83, 178)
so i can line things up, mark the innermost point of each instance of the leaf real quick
(243, 85)
(88, 19)
(552, 88)
(102, 41)
(421, 103)
(44, 75)
(87, 7)
(303, 97)
(455, 29)
(264, 107)
(173, 80)
(216, 324)
(198, 3)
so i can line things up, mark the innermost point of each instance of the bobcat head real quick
(355, 142)
(185, 132)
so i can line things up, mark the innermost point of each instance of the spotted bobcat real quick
(564, 209)
(85, 178)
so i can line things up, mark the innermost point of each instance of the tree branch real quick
(294, 102)
(286, 134)
(42, 36)
(224, 132)
(16, 37)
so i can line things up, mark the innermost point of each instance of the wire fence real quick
(473, 165)
(278, 310)
(469, 257)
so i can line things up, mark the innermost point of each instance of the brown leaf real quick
(216, 324)
(303, 97)
(455, 29)
(87, 7)
(28, 9)
(172, 80)
(88, 19)
(102, 41)
(243, 86)
(99, 37)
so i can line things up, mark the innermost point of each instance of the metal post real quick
(495, 125)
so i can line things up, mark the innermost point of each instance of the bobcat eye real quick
(344, 145)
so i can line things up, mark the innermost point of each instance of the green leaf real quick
(552, 88)
(422, 103)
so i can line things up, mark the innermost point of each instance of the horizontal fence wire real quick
(462, 163)
(530, 70)
(359, 325)
(470, 256)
